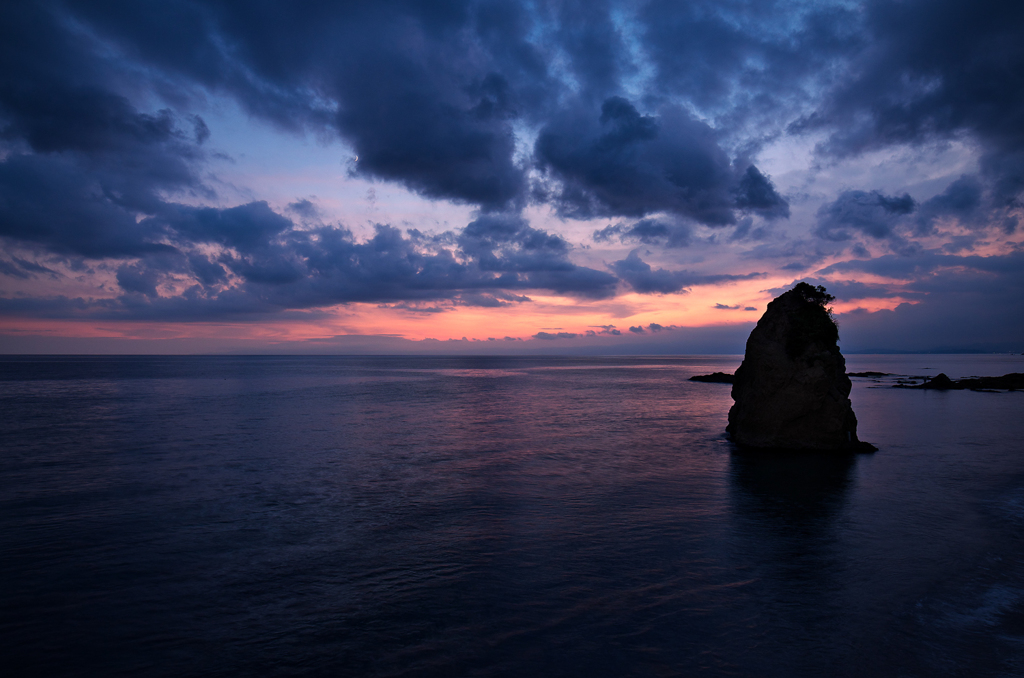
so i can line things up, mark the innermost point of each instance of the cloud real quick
(620, 162)
(648, 232)
(965, 203)
(873, 214)
(747, 64)
(263, 263)
(383, 76)
(79, 162)
(932, 71)
(24, 269)
(559, 335)
(756, 193)
(9, 269)
(639, 275)
(430, 95)
(437, 96)
(962, 200)
(491, 300)
(952, 298)
(61, 204)
(529, 258)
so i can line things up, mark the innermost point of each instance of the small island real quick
(792, 391)
(940, 382)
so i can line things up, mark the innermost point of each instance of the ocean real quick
(489, 516)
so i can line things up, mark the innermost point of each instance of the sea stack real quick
(791, 390)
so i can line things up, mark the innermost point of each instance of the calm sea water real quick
(222, 516)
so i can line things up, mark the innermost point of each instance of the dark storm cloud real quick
(52, 201)
(644, 279)
(747, 63)
(648, 232)
(961, 200)
(422, 91)
(619, 162)
(82, 164)
(78, 161)
(245, 228)
(873, 214)
(935, 70)
(756, 193)
(427, 93)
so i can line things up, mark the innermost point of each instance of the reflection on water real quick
(789, 491)
(787, 509)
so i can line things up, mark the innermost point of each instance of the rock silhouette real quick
(1009, 382)
(714, 378)
(791, 390)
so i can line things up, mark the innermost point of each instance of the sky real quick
(468, 177)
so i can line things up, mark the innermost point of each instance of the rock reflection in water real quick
(786, 512)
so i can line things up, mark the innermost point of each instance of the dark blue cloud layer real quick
(274, 266)
(653, 113)
(428, 93)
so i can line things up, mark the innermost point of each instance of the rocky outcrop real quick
(940, 382)
(714, 378)
(791, 390)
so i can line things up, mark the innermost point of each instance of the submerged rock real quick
(791, 390)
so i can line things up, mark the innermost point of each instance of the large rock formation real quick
(792, 390)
